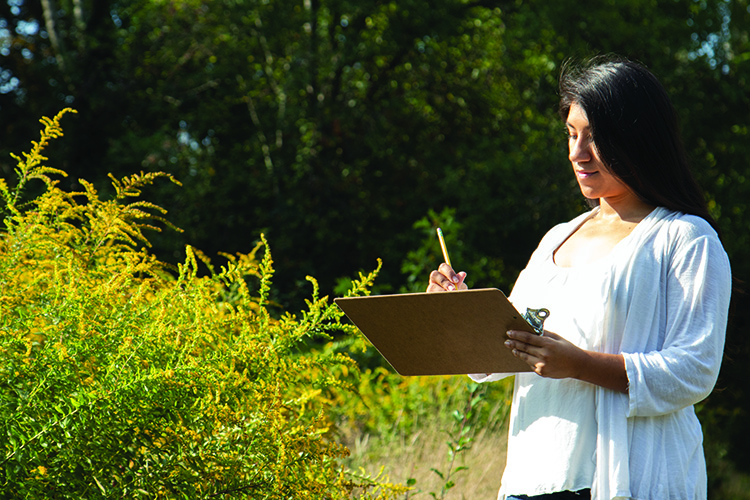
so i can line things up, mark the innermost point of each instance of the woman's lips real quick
(583, 174)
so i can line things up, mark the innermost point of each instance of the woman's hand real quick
(552, 356)
(549, 355)
(445, 279)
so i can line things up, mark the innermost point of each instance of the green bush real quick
(123, 378)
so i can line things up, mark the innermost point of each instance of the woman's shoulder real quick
(676, 233)
(681, 227)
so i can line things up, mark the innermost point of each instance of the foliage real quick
(335, 126)
(330, 125)
(419, 262)
(120, 378)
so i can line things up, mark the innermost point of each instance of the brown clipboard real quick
(448, 333)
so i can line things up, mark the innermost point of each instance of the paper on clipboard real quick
(447, 333)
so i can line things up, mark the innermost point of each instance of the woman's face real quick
(594, 178)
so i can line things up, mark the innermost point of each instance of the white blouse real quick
(661, 299)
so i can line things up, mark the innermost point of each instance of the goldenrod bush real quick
(121, 377)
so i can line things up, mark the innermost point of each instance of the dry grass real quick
(415, 456)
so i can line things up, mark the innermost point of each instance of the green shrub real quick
(123, 378)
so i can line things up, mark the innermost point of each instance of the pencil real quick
(442, 245)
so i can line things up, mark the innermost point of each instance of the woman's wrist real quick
(605, 370)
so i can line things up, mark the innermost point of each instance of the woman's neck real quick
(627, 208)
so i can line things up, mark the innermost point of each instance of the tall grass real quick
(416, 443)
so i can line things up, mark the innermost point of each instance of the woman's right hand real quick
(445, 279)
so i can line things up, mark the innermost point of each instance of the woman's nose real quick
(580, 150)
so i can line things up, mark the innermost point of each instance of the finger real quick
(521, 347)
(440, 283)
(551, 335)
(449, 273)
(525, 337)
(462, 281)
(527, 358)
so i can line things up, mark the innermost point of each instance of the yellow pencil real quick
(442, 245)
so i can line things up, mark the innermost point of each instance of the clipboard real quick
(448, 333)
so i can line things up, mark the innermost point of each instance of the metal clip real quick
(536, 317)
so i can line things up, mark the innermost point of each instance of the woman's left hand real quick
(549, 355)
(552, 356)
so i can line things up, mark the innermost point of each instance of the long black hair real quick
(634, 129)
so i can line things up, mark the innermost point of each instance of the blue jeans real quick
(562, 495)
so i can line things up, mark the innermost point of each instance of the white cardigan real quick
(664, 307)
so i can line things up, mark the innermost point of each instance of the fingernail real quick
(451, 288)
(507, 343)
(510, 333)
(455, 279)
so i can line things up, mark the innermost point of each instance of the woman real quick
(638, 291)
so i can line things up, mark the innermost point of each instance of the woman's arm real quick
(683, 370)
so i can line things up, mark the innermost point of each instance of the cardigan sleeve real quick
(683, 370)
